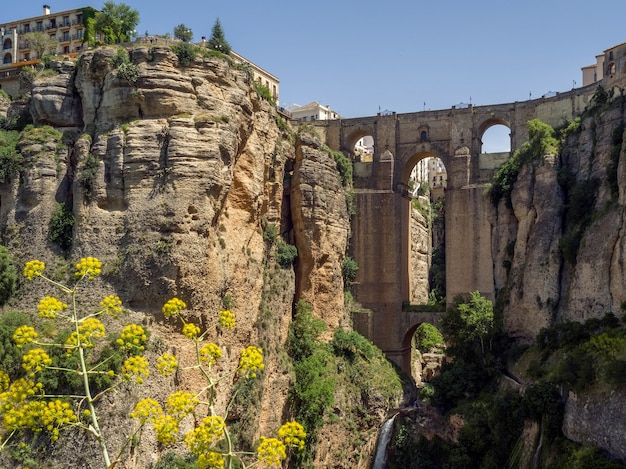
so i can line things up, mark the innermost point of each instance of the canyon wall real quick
(174, 181)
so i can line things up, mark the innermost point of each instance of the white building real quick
(312, 112)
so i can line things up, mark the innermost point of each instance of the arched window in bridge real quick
(424, 136)
(496, 139)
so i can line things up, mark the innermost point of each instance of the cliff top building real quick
(66, 28)
(610, 67)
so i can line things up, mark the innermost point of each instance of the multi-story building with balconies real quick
(67, 28)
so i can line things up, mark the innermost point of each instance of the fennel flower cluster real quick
(166, 364)
(251, 361)
(50, 306)
(226, 319)
(88, 267)
(132, 337)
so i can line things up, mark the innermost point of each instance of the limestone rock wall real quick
(321, 226)
(421, 254)
(172, 179)
(541, 278)
(536, 283)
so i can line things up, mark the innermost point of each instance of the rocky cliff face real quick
(559, 252)
(173, 180)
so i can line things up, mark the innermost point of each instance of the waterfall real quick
(380, 457)
(537, 456)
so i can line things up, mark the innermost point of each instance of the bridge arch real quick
(489, 125)
(380, 227)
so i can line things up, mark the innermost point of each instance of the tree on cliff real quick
(183, 33)
(218, 42)
(40, 42)
(115, 22)
(470, 324)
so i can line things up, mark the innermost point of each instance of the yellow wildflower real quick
(33, 269)
(271, 451)
(166, 364)
(146, 410)
(251, 361)
(112, 305)
(173, 307)
(166, 428)
(293, 434)
(205, 436)
(49, 307)
(227, 319)
(210, 353)
(132, 337)
(180, 404)
(88, 267)
(135, 368)
(210, 460)
(24, 335)
(191, 330)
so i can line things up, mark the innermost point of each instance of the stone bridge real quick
(380, 239)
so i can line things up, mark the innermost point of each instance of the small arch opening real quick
(496, 139)
(427, 346)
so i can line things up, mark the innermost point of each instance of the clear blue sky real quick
(362, 56)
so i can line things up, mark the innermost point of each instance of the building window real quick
(53, 23)
(26, 56)
(27, 28)
(423, 136)
(66, 21)
(611, 69)
(6, 59)
(39, 26)
(80, 33)
(79, 18)
(66, 36)
(66, 49)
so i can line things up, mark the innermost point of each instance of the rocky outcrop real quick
(421, 254)
(559, 253)
(321, 227)
(536, 281)
(597, 419)
(172, 179)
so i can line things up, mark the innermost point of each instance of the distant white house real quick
(312, 112)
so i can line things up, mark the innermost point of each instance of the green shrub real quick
(264, 93)
(270, 232)
(8, 275)
(62, 226)
(87, 177)
(314, 389)
(11, 161)
(10, 355)
(428, 338)
(304, 332)
(172, 461)
(186, 53)
(351, 345)
(344, 165)
(541, 142)
(285, 254)
(128, 72)
(349, 270)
